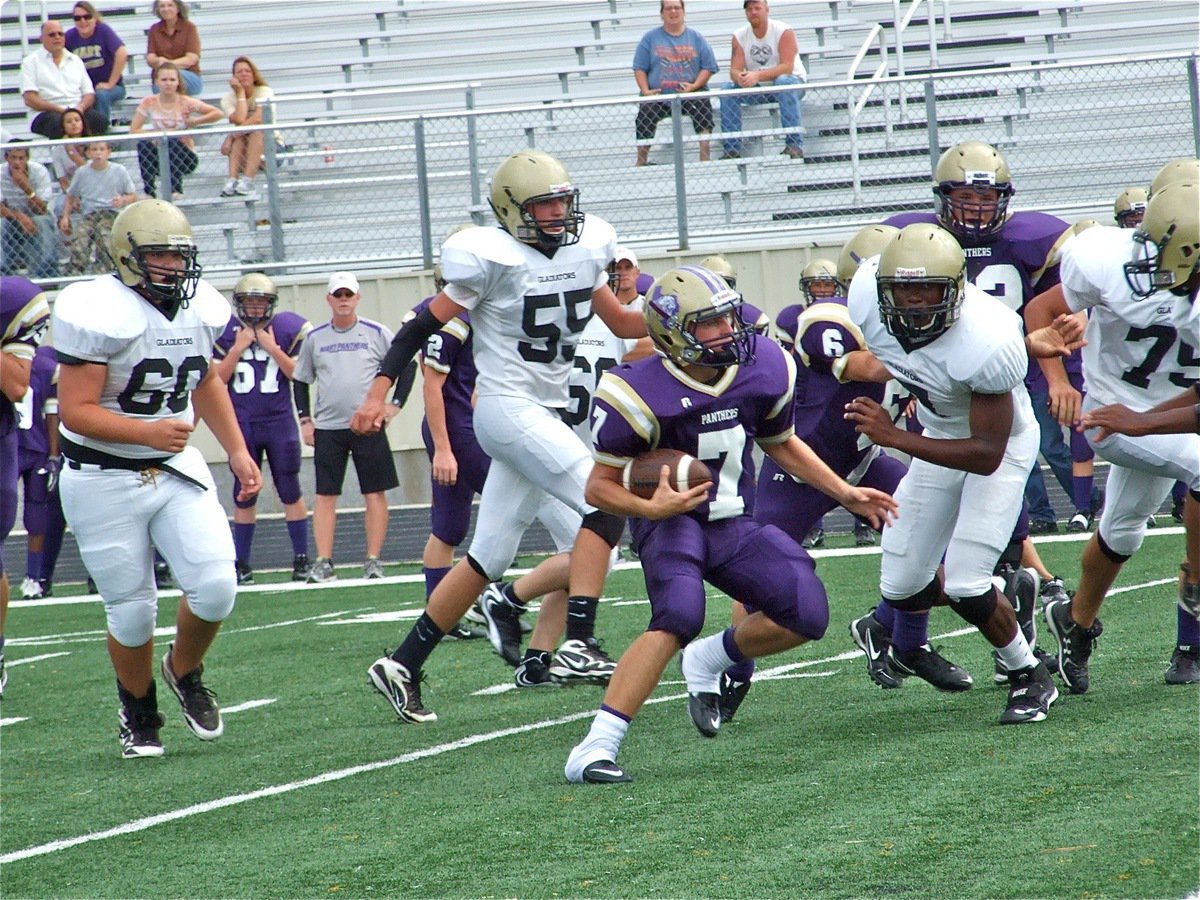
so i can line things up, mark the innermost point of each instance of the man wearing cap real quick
(764, 53)
(341, 358)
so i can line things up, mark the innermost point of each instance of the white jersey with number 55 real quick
(527, 309)
(1139, 352)
(152, 363)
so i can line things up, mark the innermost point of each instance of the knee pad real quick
(922, 601)
(1118, 558)
(287, 485)
(976, 610)
(212, 595)
(131, 621)
(605, 524)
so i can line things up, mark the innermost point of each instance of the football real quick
(640, 475)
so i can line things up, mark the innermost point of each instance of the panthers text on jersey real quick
(653, 403)
(24, 317)
(39, 401)
(1138, 352)
(983, 352)
(598, 351)
(259, 390)
(527, 309)
(152, 363)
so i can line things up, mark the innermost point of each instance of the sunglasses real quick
(343, 295)
(82, 18)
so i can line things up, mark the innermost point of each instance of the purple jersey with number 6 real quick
(259, 390)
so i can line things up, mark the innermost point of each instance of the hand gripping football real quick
(640, 475)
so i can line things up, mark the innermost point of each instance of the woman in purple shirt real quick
(103, 54)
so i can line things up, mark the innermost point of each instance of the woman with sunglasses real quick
(103, 54)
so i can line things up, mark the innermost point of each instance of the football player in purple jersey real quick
(256, 356)
(38, 464)
(700, 396)
(24, 317)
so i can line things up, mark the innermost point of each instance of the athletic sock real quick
(885, 615)
(581, 617)
(298, 533)
(243, 538)
(1081, 492)
(910, 631)
(1016, 653)
(1187, 628)
(433, 577)
(418, 644)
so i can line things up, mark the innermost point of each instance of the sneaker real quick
(503, 624)
(705, 709)
(864, 535)
(814, 539)
(1151, 522)
(31, 589)
(1049, 660)
(47, 588)
(372, 568)
(1030, 693)
(793, 152)
(230, 187)
(300, 567)
(91, 585)
(139, 733)
(605, 771)
(200, 710)
(162, 575)
(929, 665)
(1185, 666)
(732, 695)
(731, 154)
(1080, 522)
(244, 186)
(1043, 527)
(403, 691)
(464, 632)
(475, 615)
(534, 671)
(1074, 645)
(245, 575)
(582, 661)
(872, 640)
(1052, 590)
(321, 571)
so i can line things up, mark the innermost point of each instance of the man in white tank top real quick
(764, 53)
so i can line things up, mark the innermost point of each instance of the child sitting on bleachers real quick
(97, 190)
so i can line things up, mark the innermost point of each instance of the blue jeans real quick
(105, 98)
(789, 112)
(38, 251)
(1056, 453)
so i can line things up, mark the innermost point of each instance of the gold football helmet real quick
(683, 297)
(719, 265)
(1186, 169)
(819, 281)
(920, 255)
(255, 287)
(981, 168)
(867, 242)
(155, 226)
(524, 179)
(1166, 246)
(1130, 206)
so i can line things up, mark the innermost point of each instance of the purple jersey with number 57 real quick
(652, 403)
(259, 390)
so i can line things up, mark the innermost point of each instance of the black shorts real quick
(372, 460)
(698, 109)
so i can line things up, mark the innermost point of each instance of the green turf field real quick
(824, 786)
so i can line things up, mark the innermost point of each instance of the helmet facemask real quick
(672, 319)
(914, 326)
(244, 313)
(967, 216)
(1166, 246)
(170, 289)
(1143, 273)
(565, 230)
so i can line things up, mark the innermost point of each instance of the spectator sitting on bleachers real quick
(27, 232)
(53, 79)
(673, 59)
(66, 158)
(174, 39)
(764, 53)
(170, 110)
(97, 190)
(241, 104)
(103, 54)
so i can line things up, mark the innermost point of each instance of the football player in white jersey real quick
(1139, 287)
(962, 355)
(134, 349)
(531, 286)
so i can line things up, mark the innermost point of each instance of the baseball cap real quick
(625, 253)
(340, 280)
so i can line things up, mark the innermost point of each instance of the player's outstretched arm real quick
(797, 458)
(620, 319)
(605, 491)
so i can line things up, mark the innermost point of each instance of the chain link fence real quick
(375, 190)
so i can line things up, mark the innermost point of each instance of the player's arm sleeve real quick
(300, 396)
(404, 384)
(408, 340)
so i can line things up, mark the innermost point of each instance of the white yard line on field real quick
(187, 812)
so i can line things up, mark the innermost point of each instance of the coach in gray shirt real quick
(341, 358)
